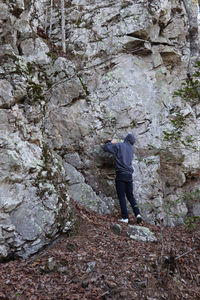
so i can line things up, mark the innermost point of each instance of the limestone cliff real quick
(123, 62)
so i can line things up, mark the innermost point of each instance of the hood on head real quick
(130, 138)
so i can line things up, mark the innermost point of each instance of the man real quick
(123, 154)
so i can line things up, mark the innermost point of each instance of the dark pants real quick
(125, 189)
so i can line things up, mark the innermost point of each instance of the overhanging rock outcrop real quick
(123, 61)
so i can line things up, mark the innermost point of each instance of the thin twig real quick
(186, 253)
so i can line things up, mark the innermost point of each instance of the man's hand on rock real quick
(114, 141)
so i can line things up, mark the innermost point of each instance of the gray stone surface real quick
(141, 234)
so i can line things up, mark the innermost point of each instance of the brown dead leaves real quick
(96, 263)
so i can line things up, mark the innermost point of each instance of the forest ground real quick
(94, 263)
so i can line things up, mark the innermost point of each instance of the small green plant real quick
(172, 135)
(24, 69)
(35, 90)
(178, 121)
(190, 93)
(53, 55)
(192, 221)
(83, 85)
(79, 21)
(190, 87)
(187, 142)
(192, 196)
(156, 150)
(170, 206)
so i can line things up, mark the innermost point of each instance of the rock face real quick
(123, 61)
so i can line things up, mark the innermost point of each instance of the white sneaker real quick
(139, 219)
(124, 221)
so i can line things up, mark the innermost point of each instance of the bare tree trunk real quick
(62, 4)
(51, 17)
(46, 19)
(192, 13)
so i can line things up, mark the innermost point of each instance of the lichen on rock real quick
(140, 233)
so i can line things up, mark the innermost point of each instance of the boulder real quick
(141, 234)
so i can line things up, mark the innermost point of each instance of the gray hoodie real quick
(123, 154)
